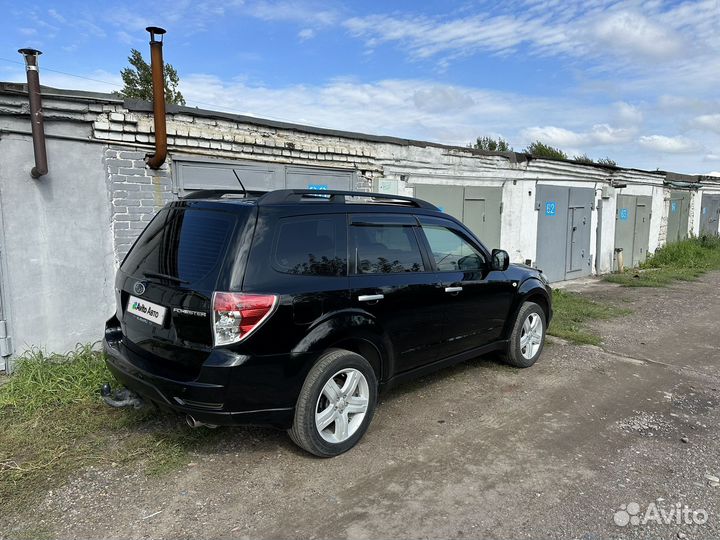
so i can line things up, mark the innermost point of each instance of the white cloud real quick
(126, 38)
(298, 11)
(438, 99)
(415, 109)
(634, 34)
(710, 122)
(673, 145)
(306, 33)
(649, 43)
(55, 15)
(425, 37)
(599, 134)
(626, 114)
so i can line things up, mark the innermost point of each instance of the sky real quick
(635, 81)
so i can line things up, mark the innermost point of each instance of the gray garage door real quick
(710, 214)
(563, 237)
(482, 210)
(632, 228)
(193, 175)
(677, 228)
(478, 207)
(312, 178)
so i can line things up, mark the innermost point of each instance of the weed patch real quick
(573, 312)
(53, 423)
(686, 260)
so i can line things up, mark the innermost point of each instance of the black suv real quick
(295, 308)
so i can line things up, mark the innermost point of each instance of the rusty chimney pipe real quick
(36, 113)
(155, 161)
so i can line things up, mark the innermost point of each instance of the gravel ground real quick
(592, 442)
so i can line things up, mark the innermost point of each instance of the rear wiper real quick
(164, 276)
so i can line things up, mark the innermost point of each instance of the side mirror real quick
(500, 260)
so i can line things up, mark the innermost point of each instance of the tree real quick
(583, 158)
(489, 144)
(607, 161)
(539, 149)
(138, 80)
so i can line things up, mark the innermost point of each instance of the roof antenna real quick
(240, 182)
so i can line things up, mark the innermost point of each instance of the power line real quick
(65, 73)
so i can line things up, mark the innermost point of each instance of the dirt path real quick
(479, 450)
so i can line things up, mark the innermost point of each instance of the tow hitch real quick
(120, 398)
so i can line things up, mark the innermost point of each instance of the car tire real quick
(523, 351)
(331, 417)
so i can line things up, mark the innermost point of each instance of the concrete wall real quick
(695, 213)
(56, 244)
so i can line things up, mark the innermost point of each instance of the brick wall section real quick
(223, 138)
(136, 194)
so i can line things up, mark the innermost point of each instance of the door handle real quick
(370, 297)
(453, 289)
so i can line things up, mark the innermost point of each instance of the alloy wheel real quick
(342, 405)
(531, 337)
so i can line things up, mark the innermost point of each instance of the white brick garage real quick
(64, 234)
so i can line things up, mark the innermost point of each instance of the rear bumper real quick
(230, 389)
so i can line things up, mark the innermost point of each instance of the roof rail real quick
(217, 193)
(338, 197)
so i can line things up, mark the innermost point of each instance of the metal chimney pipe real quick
(155, 161)
(36, 113)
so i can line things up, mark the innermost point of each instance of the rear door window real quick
(311, 246)
(185, 244)
(385, 248)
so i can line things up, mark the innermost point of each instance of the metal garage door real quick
(478, 207)
(563, 237)
(312, 178)
(710, 214)
(448, 199)
(677, 228)
(196, 174)
(481, 213)
(632, 228)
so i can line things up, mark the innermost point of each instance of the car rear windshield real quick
(182, 243)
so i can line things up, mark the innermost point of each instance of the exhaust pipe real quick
(36, 113)
(193, 423)
(155, 161)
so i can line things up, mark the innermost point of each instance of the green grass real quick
(53, 423)
(571, 314)
(680, 261)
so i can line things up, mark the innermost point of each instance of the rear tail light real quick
(237, 315)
